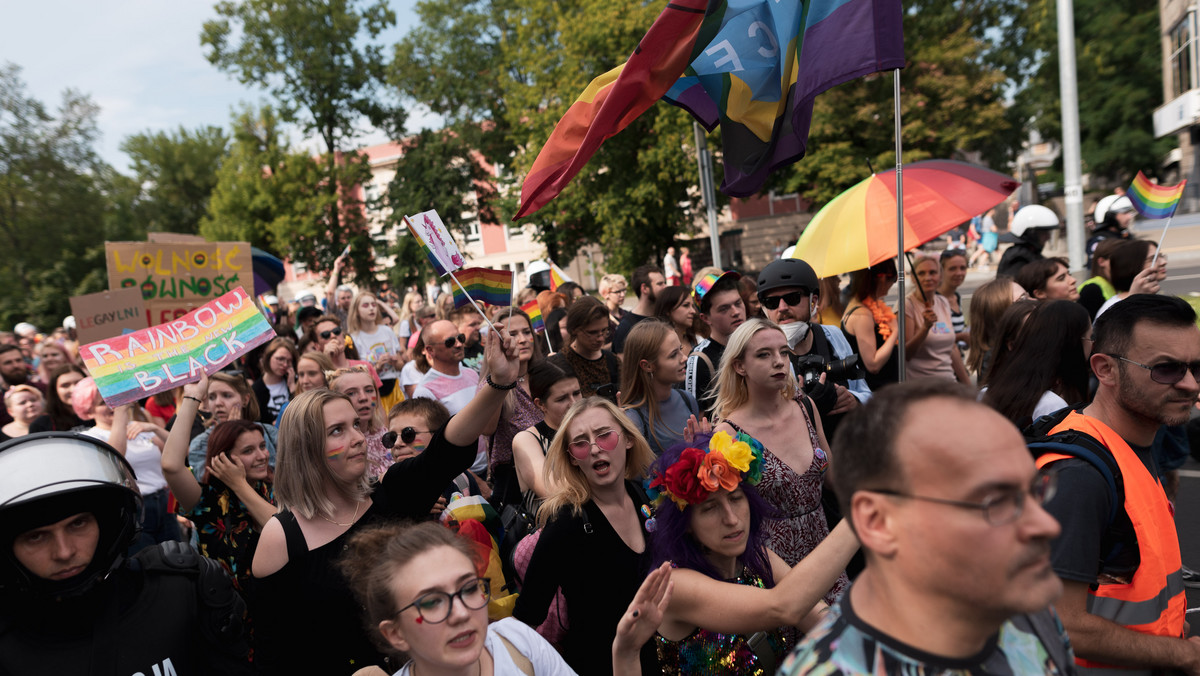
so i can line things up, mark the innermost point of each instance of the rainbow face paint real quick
(334, 453)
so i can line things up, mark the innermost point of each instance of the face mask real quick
(795, 333)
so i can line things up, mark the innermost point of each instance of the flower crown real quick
(698, 474)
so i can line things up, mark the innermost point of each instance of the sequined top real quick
(708, 652)
(379, 458)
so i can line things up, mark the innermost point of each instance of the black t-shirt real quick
(627, 322)
(1089, 545)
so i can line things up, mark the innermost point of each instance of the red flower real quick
(682, 480)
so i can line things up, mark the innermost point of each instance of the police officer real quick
(70, 600)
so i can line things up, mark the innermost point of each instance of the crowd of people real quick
(726, 477)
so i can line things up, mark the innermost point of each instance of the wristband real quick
(502, 388)
(195, 399)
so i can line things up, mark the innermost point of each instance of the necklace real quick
(357, 506)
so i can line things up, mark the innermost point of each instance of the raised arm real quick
(863, 326)
(529, 460)
(470, 422)
(174, 458)
(334, 279)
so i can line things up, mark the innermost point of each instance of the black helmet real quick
(48, 477)
(788, 272)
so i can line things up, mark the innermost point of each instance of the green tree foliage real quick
(316, 59)
(1119, 75)
(178, 172)
(55, 208)
(951, 104)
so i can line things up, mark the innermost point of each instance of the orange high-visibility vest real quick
(1154, 601)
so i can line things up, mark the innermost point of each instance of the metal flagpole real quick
(899, 224)
(708, 192)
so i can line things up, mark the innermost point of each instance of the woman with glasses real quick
(654, 365)
(757, 402)
(710, 525)
(1047, 369)
(275, 387)
(954, 273)
(518, 413)
(929, 345)
(871, 325)
(593, 545)
(326, 495)
(355, 382)
(423, 599)
(613, 289)
(1131, 270)
(378, 344)
(596, 367)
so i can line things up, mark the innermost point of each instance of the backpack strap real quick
(693, 363)
(692, 404)
(523, 663)
(1075, 444)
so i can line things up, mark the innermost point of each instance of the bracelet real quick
(195, 399)
(502, 388)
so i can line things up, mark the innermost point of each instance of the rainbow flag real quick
(612, 101)
(758, 66)
(1153, 200)
(490, 287)
(535, 315)
(557, 277)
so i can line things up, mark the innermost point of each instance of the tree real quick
(52, 204)
(178, 172)
(311, 56)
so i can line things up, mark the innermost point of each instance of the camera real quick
(809, 368)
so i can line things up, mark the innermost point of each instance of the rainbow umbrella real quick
(858, 228)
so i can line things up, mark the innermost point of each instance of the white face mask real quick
(795, 333)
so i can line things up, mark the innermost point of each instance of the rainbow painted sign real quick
(136, 365)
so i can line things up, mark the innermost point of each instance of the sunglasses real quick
(335, 331)
(1167, 372)
(605, 441)
(453, 340)
(792, 298)
(407, 435)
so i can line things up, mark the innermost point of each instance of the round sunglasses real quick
(335, 331)
(406, 435)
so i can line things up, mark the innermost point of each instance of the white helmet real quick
(1032, 216)
(1114, 203)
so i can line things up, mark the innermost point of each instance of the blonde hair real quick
(332, 377)
(607, 282)
(322, 360)
(352, 322)
(730, 387)
(644, 341)
(574, 490)
(302, 474)
(17, 389)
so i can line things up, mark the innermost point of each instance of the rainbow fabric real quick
(535, 316)
(138, 364)
(612, 101)
(557, 277)
(758, 66)
(705, 284)
(1153, 200)
(490, 287)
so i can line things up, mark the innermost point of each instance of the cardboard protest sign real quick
(176, 277)
(136, 365)
(107, 314)
(439, 246)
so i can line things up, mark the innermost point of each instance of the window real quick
(1181, 56)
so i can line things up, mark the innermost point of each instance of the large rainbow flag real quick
(758, 66)
(491, 287)
(1153, 200)
(138, 364)
(612, 101)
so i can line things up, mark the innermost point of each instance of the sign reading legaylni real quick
(136, 365)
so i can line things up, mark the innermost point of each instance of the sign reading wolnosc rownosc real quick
(136, 365)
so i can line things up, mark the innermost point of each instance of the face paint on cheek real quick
(417, 446)
(334, 453)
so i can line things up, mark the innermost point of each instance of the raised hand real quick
(229, 471)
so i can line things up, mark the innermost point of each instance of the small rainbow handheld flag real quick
(557, 277)
(535, 315)
(490, 287)
(1153, 200)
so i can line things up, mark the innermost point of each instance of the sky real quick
(139, 60)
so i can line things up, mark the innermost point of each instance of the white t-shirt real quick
(454, 392)
(545, 659)
(410, 375)
(1107, 304)
(143, 456)
(372, 346)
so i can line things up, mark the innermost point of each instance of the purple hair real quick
(672, 542)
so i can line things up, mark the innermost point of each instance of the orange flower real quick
(716, 473)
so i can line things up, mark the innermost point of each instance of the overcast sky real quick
(139, 60)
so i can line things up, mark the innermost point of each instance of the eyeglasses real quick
(1003, 508)
(335, 331)
(1167, 372)
(407, 435)
(605, 441)
(598, 334)
(434, 607)
(454, 340)
(792, 298)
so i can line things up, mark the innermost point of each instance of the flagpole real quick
(546, 333)
(474, 304)
(1163, 236)
(899, 225)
